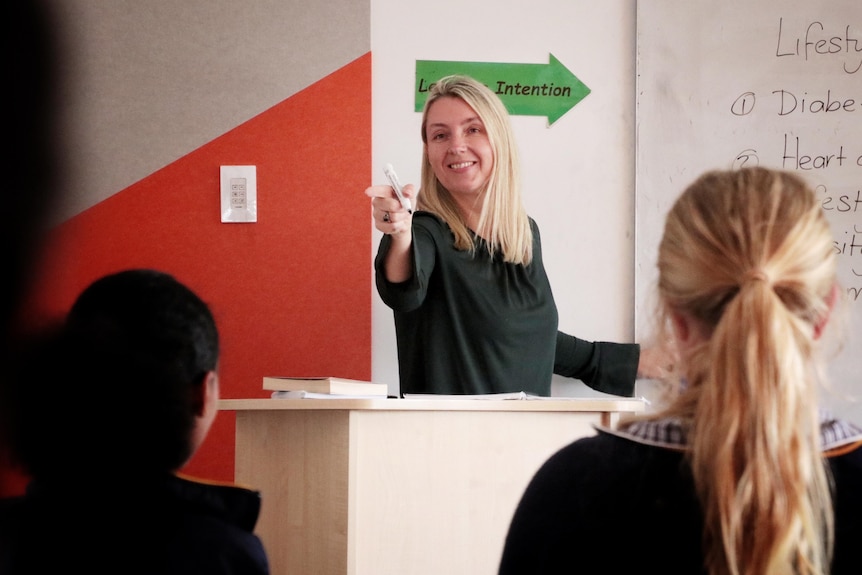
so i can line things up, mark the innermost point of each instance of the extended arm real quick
(604, 366)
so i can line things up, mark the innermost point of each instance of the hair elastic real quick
(755, 275)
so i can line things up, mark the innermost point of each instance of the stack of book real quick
(323, 388)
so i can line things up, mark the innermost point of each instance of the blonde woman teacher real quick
(463, 273)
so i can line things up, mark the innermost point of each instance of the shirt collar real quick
(670, 433)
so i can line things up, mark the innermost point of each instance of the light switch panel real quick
(238, 194)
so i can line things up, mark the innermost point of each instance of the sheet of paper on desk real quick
(522, 395)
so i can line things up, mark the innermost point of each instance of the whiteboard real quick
(775, 83)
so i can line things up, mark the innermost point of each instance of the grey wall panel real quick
(152, 80)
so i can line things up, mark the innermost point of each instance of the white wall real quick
(578, 173)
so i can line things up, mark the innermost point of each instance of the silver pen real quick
(396, 185)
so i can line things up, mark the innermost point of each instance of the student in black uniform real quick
(740, 472)
(117, 401)
(474, 311)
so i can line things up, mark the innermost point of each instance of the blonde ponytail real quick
(748, 255)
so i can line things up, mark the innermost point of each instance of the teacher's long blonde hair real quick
(503, 221)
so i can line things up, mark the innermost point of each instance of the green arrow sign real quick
(526, 89)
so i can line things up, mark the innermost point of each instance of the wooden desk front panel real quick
(435, 494)
(375, 492)
(299, 461)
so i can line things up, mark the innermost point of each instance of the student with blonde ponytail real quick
(741, 472)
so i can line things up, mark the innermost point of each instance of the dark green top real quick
(469, 324)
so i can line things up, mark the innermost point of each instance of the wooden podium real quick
(398, 486)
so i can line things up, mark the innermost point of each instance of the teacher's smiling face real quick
(458, 147)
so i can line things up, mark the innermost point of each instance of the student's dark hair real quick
(116, 385)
